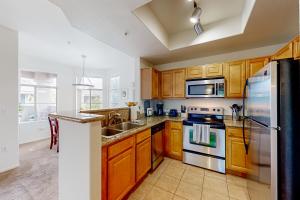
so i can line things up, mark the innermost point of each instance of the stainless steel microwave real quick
(212, 87)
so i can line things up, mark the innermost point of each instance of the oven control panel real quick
(206, 110)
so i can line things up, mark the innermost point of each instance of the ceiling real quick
(174, 14)
(270, 22)
(97, 28)
(46, 33)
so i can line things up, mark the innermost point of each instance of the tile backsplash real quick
(204, 102)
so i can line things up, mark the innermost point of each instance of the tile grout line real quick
(179, 182)
(202, 185)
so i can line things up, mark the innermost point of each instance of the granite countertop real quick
(77, 117)
(148, 123)
(152, 121)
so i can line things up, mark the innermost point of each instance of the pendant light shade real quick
(84, 82)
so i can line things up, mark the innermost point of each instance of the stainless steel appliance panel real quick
(204, 161)
(217, 149)
(262, 111)
(157, 144)
(205, 88)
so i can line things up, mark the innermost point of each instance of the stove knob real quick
(214, 109)
(192, 108)
(218, 110)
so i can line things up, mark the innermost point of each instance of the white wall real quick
(9, 149)
(213, 102)
(127, 73)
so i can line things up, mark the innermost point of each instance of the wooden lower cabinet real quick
(236, 157)
(173, 140)
(121, 174)
(143, 158)
(125, 163)
(104, 174)
(121, 168)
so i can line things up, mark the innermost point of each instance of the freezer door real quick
(262, 94)
(259, 178)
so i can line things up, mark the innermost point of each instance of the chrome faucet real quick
(114, 118)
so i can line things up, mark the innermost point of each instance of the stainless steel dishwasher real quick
(157, 144)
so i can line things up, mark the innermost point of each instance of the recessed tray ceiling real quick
(169, 20)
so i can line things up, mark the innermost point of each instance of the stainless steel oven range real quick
(204, 138)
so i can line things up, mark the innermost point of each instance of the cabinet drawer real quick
(119, 147)
(175, 125)
(236, 132)
(143, 135)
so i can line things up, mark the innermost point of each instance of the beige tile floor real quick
(178, 181)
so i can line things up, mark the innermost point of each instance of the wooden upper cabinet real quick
(214, 70)
(195, 72)
(179, 83)
(173, 83)
(211, 70)
(254, 65)
(296, 48)
(285, 52)
(234, 73)
(173, 140)
(149, 83)
(167, 84)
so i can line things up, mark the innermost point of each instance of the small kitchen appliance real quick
(149, 112)
(204, 138)
(159, 109)
(173, 113)
(208, 87)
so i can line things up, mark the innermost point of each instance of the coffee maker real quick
(159, 109)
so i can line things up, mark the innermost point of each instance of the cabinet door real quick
(104, 173)
(167, 84)
(173, 140)
(296, 48)
(254, 65)
(235, 78)
(146, 83)
(214, 70)
(195, 72)
(143, 158)
(179, 83)
(236, 158)
(121, 174)
(285, 52)
(155, 84)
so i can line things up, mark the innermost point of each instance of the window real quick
(115, 92)
(89, 99)
(37, 96)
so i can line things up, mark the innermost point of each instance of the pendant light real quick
(84, 82)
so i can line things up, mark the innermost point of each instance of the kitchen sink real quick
(110, 132)
(125, 126)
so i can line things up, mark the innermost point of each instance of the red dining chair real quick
(54, 129)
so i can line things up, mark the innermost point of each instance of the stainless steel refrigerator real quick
(271, 131)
